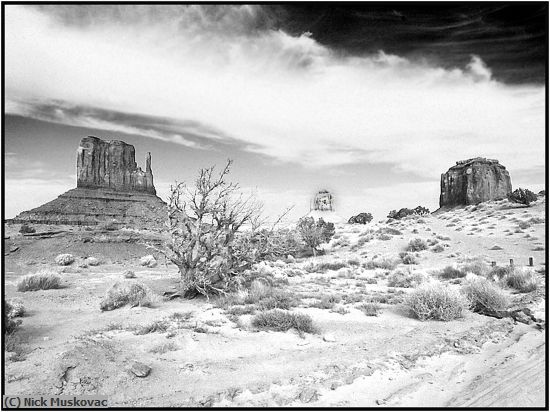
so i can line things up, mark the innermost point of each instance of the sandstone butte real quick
(474, 181)
(111, 188)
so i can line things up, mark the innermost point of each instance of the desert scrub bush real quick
(381, 263)
(42, 280)
(485, 296)
(327, 302)
(17, 309)
(405, 279)
(25, 228)
(281, 320)
(522, 279)
(127, 293)
(383, 236)
(322, 267)
(389, 231)
(408, 258)
(438, 249)
(476, 266)
(164, 348)
(155, 326)
(450, 272)
(64, 259)
(315, 233)
(148, 261)
(436, 302)
(129, 274)
(266, 297)
(9, 323)
(522, 196)
(370, 308)
(361, 218)
(417, 245)
(524, 225)
(92, 261)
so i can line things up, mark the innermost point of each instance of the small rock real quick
(129, 274)
(140, 370)
(46, 338)
(329, 337)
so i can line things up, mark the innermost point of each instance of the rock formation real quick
(111, 165)
(323, 200)
(111, 188)
(474, 181)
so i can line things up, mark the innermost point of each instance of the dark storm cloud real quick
(510, 38)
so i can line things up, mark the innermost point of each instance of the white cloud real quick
(287, 97)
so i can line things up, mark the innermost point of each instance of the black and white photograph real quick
(274, 205)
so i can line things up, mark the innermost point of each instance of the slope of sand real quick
(66, 345)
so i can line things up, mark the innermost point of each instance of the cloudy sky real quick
(372, 102)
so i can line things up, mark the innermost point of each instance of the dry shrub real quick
(452, 273)
(417, 245)
(437, 302)
(327, 302)
(476, 266)
(405, 279)
(92, 261)
(39, 281)
(370, 308)
(323, 267)
(148, 261)
(64, 259)
(164, 347)
(438, 249)
(408, 258)
(521, 279)
(485, 296)
(282, 320)
(155, 326)
(25, 228)
(381, 263)
(127, 293)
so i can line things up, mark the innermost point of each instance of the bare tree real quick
(203, 222)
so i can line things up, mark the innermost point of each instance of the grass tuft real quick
(437, 302)
(282, 320)
(42, 280)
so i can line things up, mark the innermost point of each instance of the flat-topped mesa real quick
(474, 181)
(111, 165)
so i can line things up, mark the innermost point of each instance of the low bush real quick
(17, 309)
(327, 302)
(127, 293)
(315, 233)
(129, 274)
(156, 326)
(370, 308)
(381, 263)
(9, 324)
(64, 259)
(523, 280)
(522, 196)
(92, 261)
(25, 228)
(408, 258)
(361, 218)
(281, 320)
(450, 272)
(405, 279)
(148, 261)
(436, 302)
(164, 347)
(476, 266)
(383, 236)
(438, 249)
(417, 245)
(322, 267)
(42, 280)
(485, 296)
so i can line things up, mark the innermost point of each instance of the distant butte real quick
(111, 188)
(474, 181)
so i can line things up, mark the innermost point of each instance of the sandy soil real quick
(68, 346)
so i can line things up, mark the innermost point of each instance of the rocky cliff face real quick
(112, 165)
(474, 181)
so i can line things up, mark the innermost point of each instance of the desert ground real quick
(367, 349)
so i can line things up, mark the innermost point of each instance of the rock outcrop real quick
(474, 181)
(111, 165)
(111, 188)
